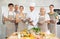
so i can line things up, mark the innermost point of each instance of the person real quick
(32, 17)
(16, 9)
(9, 20)
(16, 12)
(43, 20)
(20, 20)
(53, 19)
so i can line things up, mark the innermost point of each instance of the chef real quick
(32, 16)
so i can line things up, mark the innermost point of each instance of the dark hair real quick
(22, 7)
(10, 4)
(51, 5)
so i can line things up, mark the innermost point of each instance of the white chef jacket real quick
(34, 17)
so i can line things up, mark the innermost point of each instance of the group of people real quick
(16, 20)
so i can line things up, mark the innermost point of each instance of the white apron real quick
(21, 25)
(43, 27)
(52, 26)
(10, 26)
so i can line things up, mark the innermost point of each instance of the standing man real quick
(16, 12)
(32, 16)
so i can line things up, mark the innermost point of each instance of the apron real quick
(21, 25)
(10, 26)
(52, 26)
(43, 27)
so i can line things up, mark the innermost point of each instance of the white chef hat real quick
(32, 4)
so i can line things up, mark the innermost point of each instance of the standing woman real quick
(20, 19)
(43, 20)
(8, 19)
(53, 19)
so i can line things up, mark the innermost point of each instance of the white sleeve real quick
(47, 17)
(5, 15)
(27, 15)
(36, 20)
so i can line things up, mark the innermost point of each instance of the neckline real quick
(51, 13)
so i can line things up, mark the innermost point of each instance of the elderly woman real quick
(43, 20)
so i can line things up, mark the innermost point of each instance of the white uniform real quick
(34, 17)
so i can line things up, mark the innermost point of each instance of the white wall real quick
(26, 3)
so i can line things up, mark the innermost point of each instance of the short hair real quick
(51, 5)
(16, 5)
(10, 4)
(22, 7)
